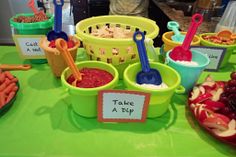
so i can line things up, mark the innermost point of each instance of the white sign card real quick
(28, 46)
(215, 54)
(122, 106)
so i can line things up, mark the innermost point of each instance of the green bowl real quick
(160, 99)
(84, 100)
(230, 49)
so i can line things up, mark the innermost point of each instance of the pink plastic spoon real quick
(182, 53)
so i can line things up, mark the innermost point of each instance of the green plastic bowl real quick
(230, 49)
(36, 28)
(160, 99)
(84, 100)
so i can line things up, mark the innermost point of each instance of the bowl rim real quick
(214, 44)
(80, 34)
(177, 83)
(115, 77)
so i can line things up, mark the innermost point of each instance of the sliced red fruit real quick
(204, 113)
(230, 133)
(202, 98)
(216, 96)
(213, 105)
(209, 85)
(220, 84)
(223, 117)
(215, 123)
(195, 93)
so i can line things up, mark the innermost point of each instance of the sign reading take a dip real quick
(122, 106)
(215, 54)
(28, 46)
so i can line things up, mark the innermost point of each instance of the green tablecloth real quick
(41, 123)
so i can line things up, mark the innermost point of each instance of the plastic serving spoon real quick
(57, 32)
(174, 26)
(61, 45)
(31, 5)
(15, 67)
(182, 53)
(226, 34)
(147, 75)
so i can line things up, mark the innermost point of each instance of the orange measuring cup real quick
(61, 45)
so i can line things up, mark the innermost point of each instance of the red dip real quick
(70, 44)
(92, 77)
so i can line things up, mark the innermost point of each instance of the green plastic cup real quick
(160, 99)
(84, 100)
(37, 28)
(189, 74)
(230, 49)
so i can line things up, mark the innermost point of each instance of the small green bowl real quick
(230, 49)
(84, 100)
(160, 99)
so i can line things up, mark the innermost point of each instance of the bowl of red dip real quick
(97, 76)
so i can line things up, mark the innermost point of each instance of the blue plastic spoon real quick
(57, 33)
(147, 75)
(174, 26)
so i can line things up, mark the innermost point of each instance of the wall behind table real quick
(8, 9)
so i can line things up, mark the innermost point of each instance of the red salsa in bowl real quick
(92, 78)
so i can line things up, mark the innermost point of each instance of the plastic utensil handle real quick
(58, 15)
(174, 26)
(149, 45)
(61, 45)
(15, 67)
(142, 51)
(31, 5)
(196, 21)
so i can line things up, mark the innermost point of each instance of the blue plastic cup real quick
(189, 74)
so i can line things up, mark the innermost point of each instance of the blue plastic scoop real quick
(147, 75)
(57, 33)
(174, 26)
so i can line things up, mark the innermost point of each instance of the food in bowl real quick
(91, 78)
(219, 40)
(213, 103)
(112, 32)
(152, 86)
(188, 63)
(70, 43)
(39, 17)
(8, 87)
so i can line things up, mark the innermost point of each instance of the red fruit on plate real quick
(229, 134)
(70, 44)
(195, 93)
(215, 123)
(213, 105)
(233, 75)
(204, 113)
(202, 98)
(216, 95)
(220, 84)
(223, 117)
(209, 85)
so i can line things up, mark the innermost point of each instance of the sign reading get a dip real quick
(28, 46)
(122, 106)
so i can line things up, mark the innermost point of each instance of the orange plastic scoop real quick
(61, 45)
(15, 67)
(33, 8)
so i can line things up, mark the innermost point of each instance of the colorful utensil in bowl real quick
(57, 32)
(182, 53)
(174, 26)
(147, 75)
(61, 45)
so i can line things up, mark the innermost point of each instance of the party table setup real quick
(107, 91)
